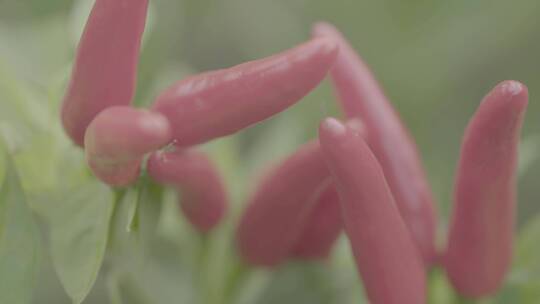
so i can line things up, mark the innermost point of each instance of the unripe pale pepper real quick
(222, 102)
(117, 140)
(482, 228)
(280, 207)
(361, 97)
(105, 70)
(203, 199)
(385, 254)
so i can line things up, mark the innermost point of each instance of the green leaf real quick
(526, 262)
(113, 289)
(19, 240)
(145, 209)
(122, 246)
(79, 228)
(133, 216)
(149, 203)
(524, 280)
(16, 124)
(165, 278)
(145, 268)
(133, 225)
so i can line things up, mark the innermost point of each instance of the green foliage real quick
(524, 281)
(134, 222)
(148, 210)
(78, 221)
(20, 244)
(435, 58)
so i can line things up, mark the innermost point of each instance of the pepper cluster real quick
(363, 175)
(97, 115)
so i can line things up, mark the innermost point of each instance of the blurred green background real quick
(436, 60)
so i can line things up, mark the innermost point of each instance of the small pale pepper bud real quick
(203, 199)
(280, 207)
(385, 254)
(219, 103)
(482, 228)
(361, 97)
(323, 227)
(105, 67)
(117, 140)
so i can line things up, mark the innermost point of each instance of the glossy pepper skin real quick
(203, 199)
(117, 140)
(482, 228)
(323, 227)
(105, 69)
(388, 262)
(222, 102)
(361, 97)
(280, 207)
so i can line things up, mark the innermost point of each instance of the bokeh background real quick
(436, 59)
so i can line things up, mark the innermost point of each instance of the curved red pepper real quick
(275, 216)
(481, 235)
(361, 96)
(118, 138)
(324, 224)
(105, 67)
(323, 227)
(220, 103)
(297, 201)
(203, 196)
(387, 259)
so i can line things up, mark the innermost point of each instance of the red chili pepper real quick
(361, 97)
(220, 103)
(277, 213)
(105, 68)
(481, 234)
(323, 227)
(118, 138)
(324, 224)
(386, 257)
(203, 195)
(294, 212)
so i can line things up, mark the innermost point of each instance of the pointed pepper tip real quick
(333, 127)
(516, 91)
(323, 28)
(326, 45)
